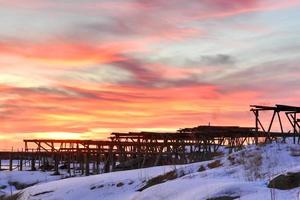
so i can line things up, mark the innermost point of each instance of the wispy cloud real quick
(76, 67)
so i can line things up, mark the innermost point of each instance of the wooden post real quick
(21, 164)
(294, 126)
(44, 163)
(74, 167)
(56, 162)
(158, 157)
(33, 164)
(256, 125)
(69, 164)
(94, 167)
(107, 163)
(87, 164)
(113, 161)
(144, 160)
(26, 147)
(10, 162)
(82, 164)
(97, 164)
(39, 157)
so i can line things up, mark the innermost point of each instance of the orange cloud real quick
(59, 54)
(50, 82)
(115, 107)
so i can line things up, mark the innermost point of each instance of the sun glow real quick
(58, 135)
(69, 75)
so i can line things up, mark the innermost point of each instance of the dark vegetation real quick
(201, 168)
(176, 174)
(93, 187)
(11, 197)
(2, 187)
(224, 198)
(41, 193)
(20, 186)
(46, 167)
(161, 179)
(120, 184)
(214, 164)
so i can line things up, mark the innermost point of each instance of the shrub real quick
(41, 193)
(217, 153)
(12, 197)
(20, 186)
(93, 187)
(215, 164)
(201, 168)
(160, 179)
(224, 198)
(130, 182)
(2, 187)
(231, 159)
(252, 166)
(120, 184)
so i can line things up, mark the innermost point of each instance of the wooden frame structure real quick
(290, 113)
(132, 150)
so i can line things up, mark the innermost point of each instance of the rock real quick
(285, 181)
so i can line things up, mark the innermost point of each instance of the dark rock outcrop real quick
(285, 181)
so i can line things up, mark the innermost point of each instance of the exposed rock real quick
(285, 181)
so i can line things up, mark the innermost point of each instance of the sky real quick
(82, 69)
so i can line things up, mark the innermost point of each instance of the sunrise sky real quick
(82, 69)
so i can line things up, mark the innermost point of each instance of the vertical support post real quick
(26, 146)
(44, 164)
(75, 161)
(87, 164)
(39, 157)
(113, 161)
(256, 113)
(110, 158)
(157, 159)
(94, 167)
(56, 163)
(294, 126)
(97, 164)
(21, 164)
(107, 163)
(69, 164)
(10, 162)
(82, 163)
(33, 164)
(74, 167)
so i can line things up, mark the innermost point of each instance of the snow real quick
(8, 178)
(244, 174)
(102, 186)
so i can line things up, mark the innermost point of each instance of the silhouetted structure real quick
(290, 113)
(143, 149)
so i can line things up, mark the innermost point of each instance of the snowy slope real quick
(9, 179)
(243, 174)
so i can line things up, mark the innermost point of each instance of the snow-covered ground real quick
(10, 181)
(243, 174)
